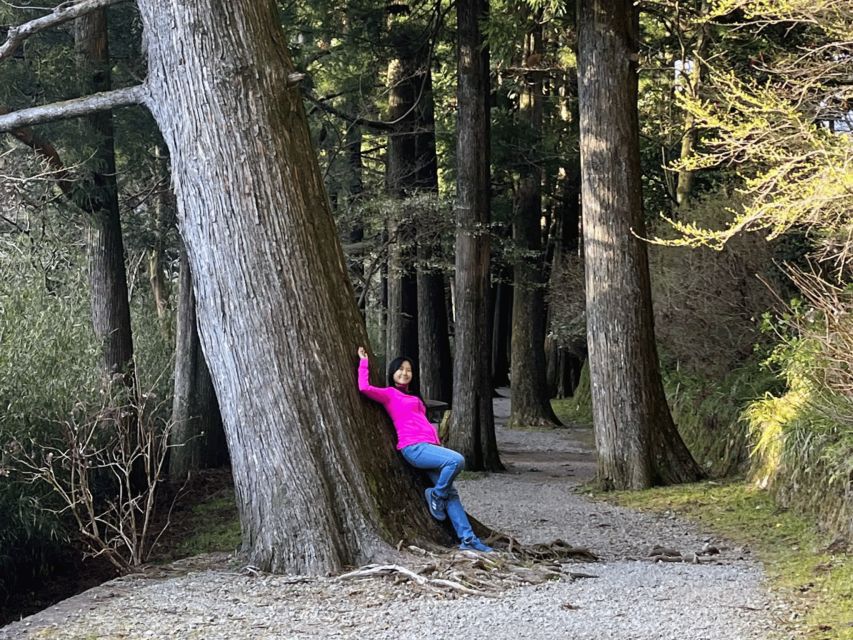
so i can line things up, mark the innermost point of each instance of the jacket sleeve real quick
(380, 394)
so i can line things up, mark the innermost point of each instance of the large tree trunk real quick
(197, 436)
(637, 442)
(530, 401)
(107, 273)
(318, 484)
(472, 426)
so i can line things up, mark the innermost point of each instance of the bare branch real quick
(63, 13)
(73, 108)
(375, 125)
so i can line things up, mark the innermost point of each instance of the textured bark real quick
(472, 428)
(412, 169)
(107, 274)
(530, 400)
(402, 310)
(637, 442)
(197, 434)
(318, 484)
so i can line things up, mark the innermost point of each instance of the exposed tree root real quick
(457, 572)
(665, 554)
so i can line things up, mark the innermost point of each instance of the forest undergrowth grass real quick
(204, 519)
(803, 565)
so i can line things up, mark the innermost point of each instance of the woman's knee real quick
(459, 461)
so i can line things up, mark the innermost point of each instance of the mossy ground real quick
(215, 526)
(801, 563)
(204, 519)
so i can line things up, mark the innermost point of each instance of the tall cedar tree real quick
(99, 198)
(317, 481)
(472, 425)
(638, 445)
(530, 402)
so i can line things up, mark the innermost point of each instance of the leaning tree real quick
(317, 482)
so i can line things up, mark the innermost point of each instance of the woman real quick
(417, 441)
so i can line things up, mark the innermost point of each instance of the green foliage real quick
(577, 409)
(48, 363)
(793, 172)
(215, 526)
(708, 414)
(802, 438)
(707, 303)
(814, 575)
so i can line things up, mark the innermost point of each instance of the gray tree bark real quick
(472, 426)
(318, 484)
(530, 400)
(637, 442)
(197, 436)
(107, 273)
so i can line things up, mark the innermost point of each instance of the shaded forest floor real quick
(542, 497)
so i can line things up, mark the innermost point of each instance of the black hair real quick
(414, 388)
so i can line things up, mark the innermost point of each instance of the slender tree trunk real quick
(472, 427)
(436, 368)
(164, 219)
(402, 327)
(501, 333)
(353, 189)
(107, 274)
(413, 170)
(318, 483)
(563, 362)
(637, 442)
(530, 400)
(197, 435)
(693, 76)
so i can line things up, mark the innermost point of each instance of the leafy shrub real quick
(802, 438)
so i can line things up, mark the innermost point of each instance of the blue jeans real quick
(442, 465)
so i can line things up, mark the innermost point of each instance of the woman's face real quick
(403, 375)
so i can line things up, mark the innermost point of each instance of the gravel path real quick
(630, 598)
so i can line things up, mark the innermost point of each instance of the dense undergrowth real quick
(49, 377)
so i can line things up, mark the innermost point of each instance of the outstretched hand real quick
(362, 353)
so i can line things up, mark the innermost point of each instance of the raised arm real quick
(380, 394)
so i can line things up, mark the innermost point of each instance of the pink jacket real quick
(407, 412)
